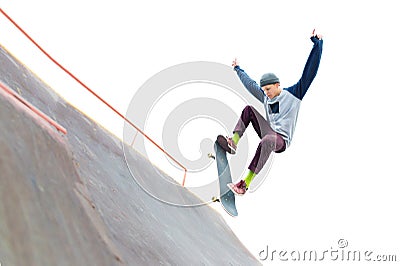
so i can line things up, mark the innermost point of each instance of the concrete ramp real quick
(71, 200)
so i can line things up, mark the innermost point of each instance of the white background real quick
(339, 178)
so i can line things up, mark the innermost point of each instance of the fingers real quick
(234, 63)
(313, 34)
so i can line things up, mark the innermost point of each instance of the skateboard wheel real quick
(210, 155)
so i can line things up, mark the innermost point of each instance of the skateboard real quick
(227, 197)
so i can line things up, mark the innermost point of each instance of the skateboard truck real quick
(215, 199)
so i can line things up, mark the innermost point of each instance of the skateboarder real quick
(282, 107)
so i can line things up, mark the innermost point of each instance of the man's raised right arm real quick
(248, 83)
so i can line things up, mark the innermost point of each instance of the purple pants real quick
(270, 140)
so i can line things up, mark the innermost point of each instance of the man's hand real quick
(235, 63)
(318, 36)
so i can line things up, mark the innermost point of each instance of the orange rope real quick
(92, 92)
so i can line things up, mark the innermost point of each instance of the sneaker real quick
(227, 144)
(239, 189)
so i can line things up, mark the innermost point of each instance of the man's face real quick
(272, 90)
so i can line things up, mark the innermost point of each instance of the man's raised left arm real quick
(310, 69)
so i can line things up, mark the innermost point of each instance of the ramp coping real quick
(33, 108)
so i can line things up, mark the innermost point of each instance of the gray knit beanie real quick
(268, 78)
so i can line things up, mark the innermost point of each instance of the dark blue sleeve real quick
(250, 84)
(310, 70)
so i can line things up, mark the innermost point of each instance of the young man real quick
(282, 107)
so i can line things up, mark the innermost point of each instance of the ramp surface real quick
(71, 200)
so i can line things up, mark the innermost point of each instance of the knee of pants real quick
(248, 108)
(268, 142)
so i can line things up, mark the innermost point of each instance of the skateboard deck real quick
(227, 197)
